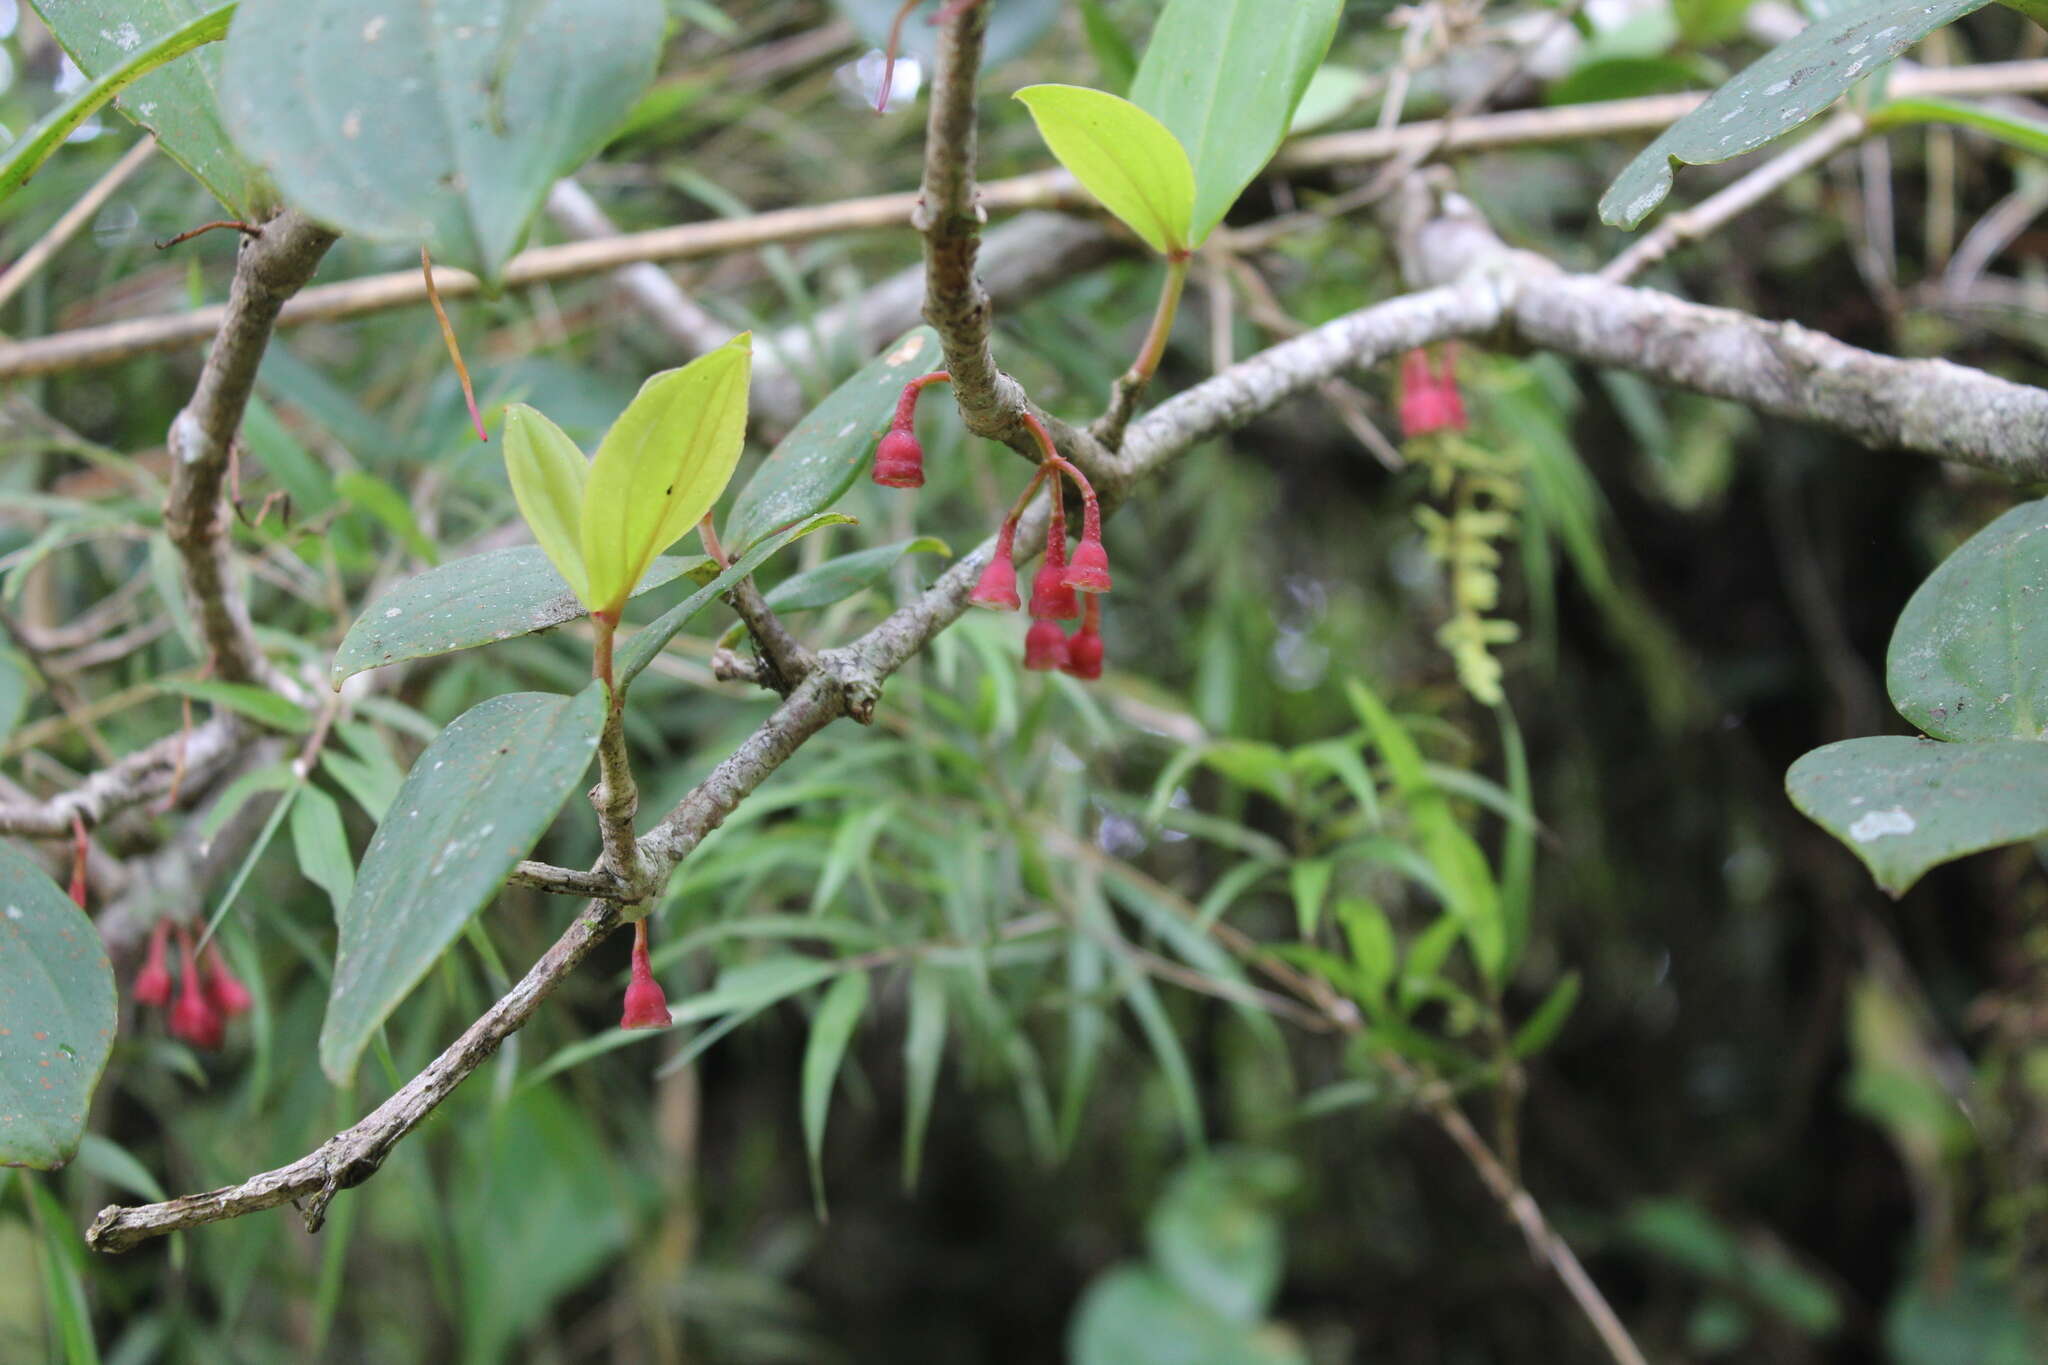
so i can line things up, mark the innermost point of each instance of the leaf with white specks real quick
(474, 601)
(429, 123)
(1793, 82)
(1969, 655)
(813, 466)
(475, 803)
(1905, 805)
(56, 1016)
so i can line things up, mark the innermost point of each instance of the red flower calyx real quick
(153, 983)
(1430, 401)
(1084, 646)
(194, 1018)
(899, 459)
(1045, 646)
(646, 1005)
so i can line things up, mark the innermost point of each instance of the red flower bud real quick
(646, 1005)
(153, 983)
(1429, 401)
(1084, 646)
(224, 990)
(193, 1018)
(1088, 570)
(899, 460)
(1051, 598)
(998, 585)
(1045, 646)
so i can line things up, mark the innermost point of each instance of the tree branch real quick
(142, 776)
(270, 269)
(1494, 291)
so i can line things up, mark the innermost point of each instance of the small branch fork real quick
(1469, 285)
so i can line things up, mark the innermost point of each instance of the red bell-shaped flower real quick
(193, 1018)
(1084, 646)
(997, 587)
(1429, 400)
(153, 983)
(646, 1005)
(899, 460)
(224, 990)
(1088, 570)
(1045, 646)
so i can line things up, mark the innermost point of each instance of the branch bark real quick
(270, 269)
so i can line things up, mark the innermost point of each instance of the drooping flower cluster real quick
(1062, 584)
(208, 992)
(1430, 401)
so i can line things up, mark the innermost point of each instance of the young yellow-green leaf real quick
(548, 473)
(1121, 155)
(661, 467)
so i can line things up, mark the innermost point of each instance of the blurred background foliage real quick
(1782, 1118)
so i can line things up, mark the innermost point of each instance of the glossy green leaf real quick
(1963, 662)
(475, 803)
(639, 651)
(175, 102)
(474, 601)
(56, 1016)
(838, 1016)
(924, 1047)
(661, 467)
(433, 124)
(259, 704)
(1225, 77)
(2016, 130)
(548, 471)
(26, 155)
(814, 465)
(1123, 156)
(838, 579)
(1905, 805)
(1793, 82)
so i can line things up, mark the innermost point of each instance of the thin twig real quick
(116, 341)
(77, 216)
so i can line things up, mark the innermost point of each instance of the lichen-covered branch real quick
(189, 757)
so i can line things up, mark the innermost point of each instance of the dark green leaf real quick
(1963, 663)
(474, 804)
(1213, 1233)
(824, 453)
(1793, 82)
(838, 579)
(474, 601)
(1905, 805)
(417, 122)
(321, 843)
(176, 102)
(1224, 76)
(56, 1016)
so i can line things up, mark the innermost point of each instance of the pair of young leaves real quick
(659, 469)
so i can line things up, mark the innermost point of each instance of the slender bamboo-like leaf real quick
(2016, 130)
(924, 1047)
(831, 1031)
